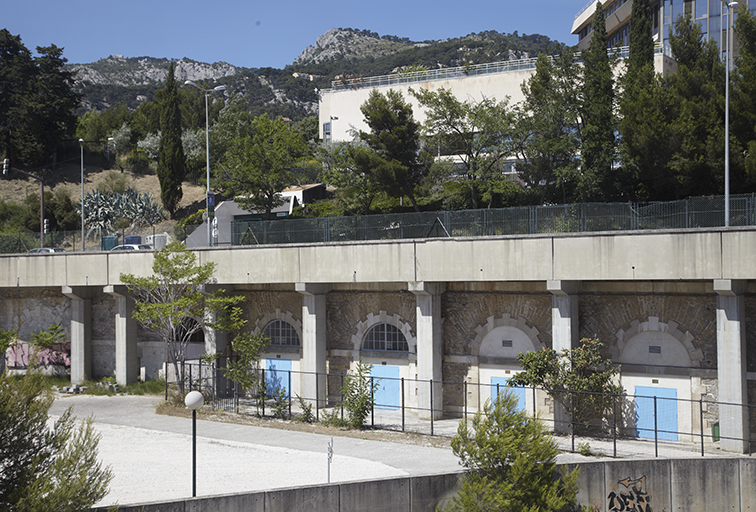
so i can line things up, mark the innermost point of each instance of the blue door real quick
(502, 383)
(277, 375)
(387, 395)
(666, 412)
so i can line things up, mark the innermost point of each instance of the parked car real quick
(132, 247)
(46, 250)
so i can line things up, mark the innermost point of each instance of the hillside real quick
(290, 92)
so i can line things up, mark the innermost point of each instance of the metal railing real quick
(694, 212)
(624, 418)
(507, 66)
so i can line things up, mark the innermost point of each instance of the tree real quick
(511, 463)
(258, 166)
(45, 467)
(743, 104)
(395, 140)
(358, 393)
(696, 113)
(174, 303)
(479, 132)
(547, 137)
(581, 370)
(643, 111)
(354, 184)
(36, 100)
(596, 182)
(171, 168)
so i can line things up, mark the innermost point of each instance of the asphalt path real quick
(150, 454)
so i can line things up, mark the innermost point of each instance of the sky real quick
(254, 34)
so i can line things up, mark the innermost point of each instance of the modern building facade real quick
(711, 15)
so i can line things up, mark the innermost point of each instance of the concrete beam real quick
(127, 362)
(81, 332)
(313, 340)
(430, 347)
(564, 320)
(731, 365)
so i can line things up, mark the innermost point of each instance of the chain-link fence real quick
(70, 241)
(694, 212)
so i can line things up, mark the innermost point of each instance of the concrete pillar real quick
(215, 340)
(731, 364)
(430, 348)
(127, 362)
(564, 331)
(313, 383)
(81, 332)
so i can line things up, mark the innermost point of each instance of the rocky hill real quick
(290, 92)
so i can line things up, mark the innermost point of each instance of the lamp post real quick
(730, 7)
(81, 144)
(194, 401)
(208, 201)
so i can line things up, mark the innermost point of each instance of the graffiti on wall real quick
(22, 354)
(629, 496)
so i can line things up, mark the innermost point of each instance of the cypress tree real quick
(171, 167)
(641, 37)
(595, 181)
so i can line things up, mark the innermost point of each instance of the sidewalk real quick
(151, 454)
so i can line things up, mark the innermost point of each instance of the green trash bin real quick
(715, 431)
(108, 242)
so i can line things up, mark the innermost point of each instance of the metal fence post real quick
(464, 390)
(656, 433)
(402, 384)
(700, 410)
(289, 390)
(614, 424)
(372, 403)
(572, 419)
(431, 404)
(317, 396)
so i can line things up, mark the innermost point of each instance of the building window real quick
(327, 138)
(281, 333)
(385, 337)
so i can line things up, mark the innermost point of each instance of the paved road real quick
(151, 454)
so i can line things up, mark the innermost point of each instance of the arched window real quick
(281, 333)
(385, 337)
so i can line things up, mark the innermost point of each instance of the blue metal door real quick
(502, 383)
(387, 396)
(277, 375)
(666, 412)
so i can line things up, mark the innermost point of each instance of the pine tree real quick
(511, 460)
(171, 167)
(596, 182)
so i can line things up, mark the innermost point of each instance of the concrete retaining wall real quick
(692, 485)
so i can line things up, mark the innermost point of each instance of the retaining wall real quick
(692, 485)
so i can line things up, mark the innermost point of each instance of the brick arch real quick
(505, 320)
(285, 316)
(384, 318)
(671, 328)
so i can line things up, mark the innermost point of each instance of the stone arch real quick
(384, 318)
(285, 316)
(636, 338)
(525, 337)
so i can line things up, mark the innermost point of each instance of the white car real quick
(132, 247)
(46, 250)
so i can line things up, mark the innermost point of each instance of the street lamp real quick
(194, 401)
(730, 7)
(81, 144)
(209, 202)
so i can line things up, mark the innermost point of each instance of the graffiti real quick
(19, 356)
(630, 496)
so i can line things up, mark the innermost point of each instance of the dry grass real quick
(68, 177)
(206, 413)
